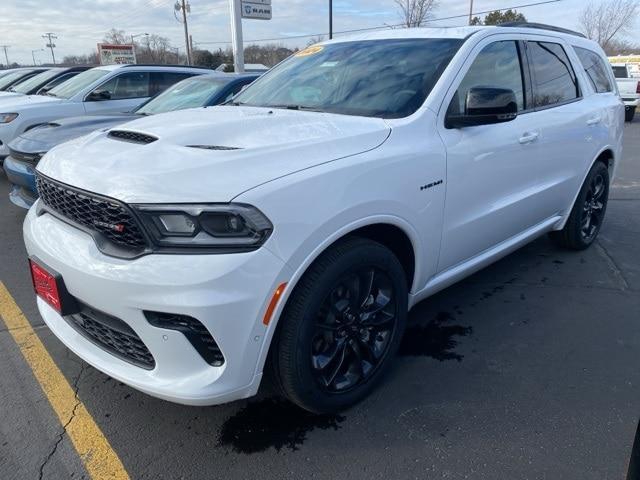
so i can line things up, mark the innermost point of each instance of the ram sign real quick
(116, 54)
(256, 9)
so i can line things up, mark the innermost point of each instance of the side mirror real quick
(99, 96)
(485, 106)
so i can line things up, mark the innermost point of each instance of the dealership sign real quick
(116, 54)
(256, 9)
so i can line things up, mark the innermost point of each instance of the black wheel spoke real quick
(353, 329)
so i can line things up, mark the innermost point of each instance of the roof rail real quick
(541, 26)
(129, 65)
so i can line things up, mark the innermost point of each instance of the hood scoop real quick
(213, 147)
(132, 137)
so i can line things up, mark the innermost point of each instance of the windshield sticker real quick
(310, 51)
(329, 64)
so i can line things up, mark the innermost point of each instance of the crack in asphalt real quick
(58, 441)
(613, 266)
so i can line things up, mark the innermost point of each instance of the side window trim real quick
(527, 77)
(579, 96)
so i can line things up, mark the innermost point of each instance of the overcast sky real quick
(81, 24)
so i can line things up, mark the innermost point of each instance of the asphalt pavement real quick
(528, 369)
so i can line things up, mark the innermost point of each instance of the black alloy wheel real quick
(593, 209)
(353, 330)
(341, 326)
(587, 215)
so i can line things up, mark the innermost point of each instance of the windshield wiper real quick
(294, 107)
(49, 94)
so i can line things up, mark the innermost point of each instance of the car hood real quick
(42, 139)
(7, 94)
(247, 146)
(26, 101)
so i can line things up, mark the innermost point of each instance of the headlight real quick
(223, 226)
(8, 117)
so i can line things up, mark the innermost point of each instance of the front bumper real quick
(631, 102)
(22, 177)
(227, 293)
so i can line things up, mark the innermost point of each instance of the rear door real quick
(121, 93)
(564, 118)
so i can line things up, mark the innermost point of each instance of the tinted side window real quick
(553, 76)
(497, 65)
(160, 81)
(127, 85)
(596, 70)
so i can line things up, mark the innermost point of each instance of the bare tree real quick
(314, 40)
(602, 21)
(116, 37)
(415, 13)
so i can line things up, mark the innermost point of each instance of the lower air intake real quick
(193, 330)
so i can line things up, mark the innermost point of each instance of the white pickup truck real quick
(629, 88)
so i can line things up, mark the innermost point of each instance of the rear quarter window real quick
(596, 70)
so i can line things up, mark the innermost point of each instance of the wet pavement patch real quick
(272, 423)
(436, 339)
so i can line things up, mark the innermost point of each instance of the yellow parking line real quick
(94, 449)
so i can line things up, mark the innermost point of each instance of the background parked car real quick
(105, 89)
(28, 148)
(42, 82)
(18, 75)
(629, 88)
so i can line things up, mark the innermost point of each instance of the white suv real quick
(293, 228)
(106, 89)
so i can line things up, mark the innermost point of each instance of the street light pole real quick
(236, 35)
(6, 55)
(470, 11)
(51, 37)
(330, 19)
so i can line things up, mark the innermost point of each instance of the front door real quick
(492, 180)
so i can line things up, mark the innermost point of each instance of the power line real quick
(356, 30)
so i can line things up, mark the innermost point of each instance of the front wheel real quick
(629, 113)
(588, 212)
(341, 327)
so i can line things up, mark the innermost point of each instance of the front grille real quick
(107, 217)
(113, 335)
(133, 137)
(193, 330)
(30, 158)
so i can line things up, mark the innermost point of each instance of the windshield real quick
(372, 78)
(9, 78)
(35, 81)
(620, 72)
(190, 93)
(81, 81)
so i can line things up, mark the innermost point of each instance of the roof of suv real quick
(150, 66)
(461, 32)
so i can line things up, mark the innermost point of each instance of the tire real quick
(629, 114)
(588, 212)
(330, 350)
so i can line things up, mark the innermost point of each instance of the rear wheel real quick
(588, 212)
(341, 327)
(629, 113)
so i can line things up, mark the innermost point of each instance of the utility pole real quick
(236, 35)
(33, 54)
(6, 55)
(330, 19)
(470, 11)
(50, 38)
(185, 7)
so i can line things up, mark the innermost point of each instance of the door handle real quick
(594, 120)
(529, 137)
